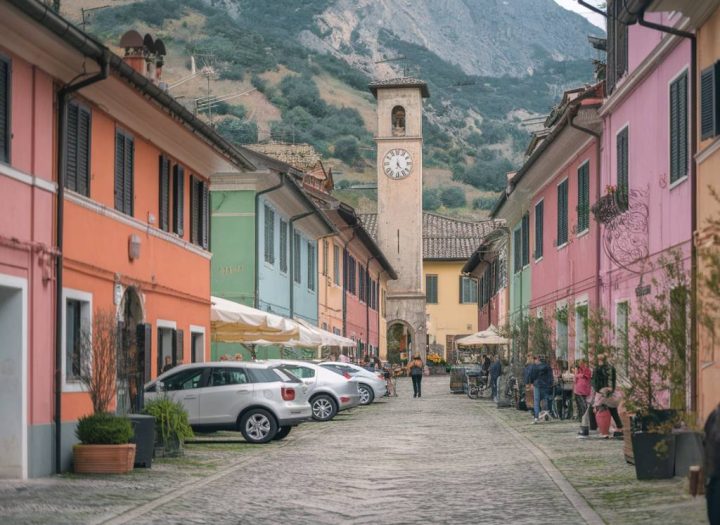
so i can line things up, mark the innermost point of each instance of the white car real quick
(262, 403)
(370, 384)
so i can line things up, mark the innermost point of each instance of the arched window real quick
(398, 121)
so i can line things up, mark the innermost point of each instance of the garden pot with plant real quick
(105, 447)
(171, 426)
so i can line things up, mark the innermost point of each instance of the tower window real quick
(398, 121)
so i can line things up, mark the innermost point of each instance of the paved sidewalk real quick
(440, 459)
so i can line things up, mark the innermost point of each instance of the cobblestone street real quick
(443, 458)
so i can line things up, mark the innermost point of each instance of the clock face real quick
(397, 164)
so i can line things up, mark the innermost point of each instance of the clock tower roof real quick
(400, 82)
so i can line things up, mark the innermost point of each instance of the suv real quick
(329, 392)
(262, 403)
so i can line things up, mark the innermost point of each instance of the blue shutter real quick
(562, 221)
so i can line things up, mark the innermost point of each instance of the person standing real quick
(604, 378)
(541, 377)
(495, 372)
(168, 364)
(581, 388)
(415, 369)
(712, 466)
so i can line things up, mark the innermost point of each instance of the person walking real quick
(541, 377)
(415, 369)
(581, 388)
(712, 466)
(495, 373)
(604, 380)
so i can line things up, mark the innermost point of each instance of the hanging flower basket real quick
(610, 205)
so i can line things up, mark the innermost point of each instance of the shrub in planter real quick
(171, 425)
(104, 447)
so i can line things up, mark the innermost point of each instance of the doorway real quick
(399, 342)
(13, 373)
(131, 361)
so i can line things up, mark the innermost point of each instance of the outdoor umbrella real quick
(327, 338)
(232, 322)
(485, 337)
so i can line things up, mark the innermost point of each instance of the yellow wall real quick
(329, 293)
(707, 169)
(448, 317)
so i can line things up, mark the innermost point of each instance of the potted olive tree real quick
(104, 437)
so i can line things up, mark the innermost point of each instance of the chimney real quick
(135, 51)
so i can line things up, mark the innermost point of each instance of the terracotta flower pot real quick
(603, 421)
(103, 459)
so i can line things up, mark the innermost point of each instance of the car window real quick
(302, 372)
(228, 376)
(338, 369)
(284, 375)
(185, 380)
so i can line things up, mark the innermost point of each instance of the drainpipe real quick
(367, 301)
(59, 220)
(291, 275)
(346, 255)
(256, 299)
(598, 186)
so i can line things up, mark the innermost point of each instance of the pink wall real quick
(642, 40)
(356, 316)
(26, 214)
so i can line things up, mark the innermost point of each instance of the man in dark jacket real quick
(712, 466)
(495, 372)
(541, 377)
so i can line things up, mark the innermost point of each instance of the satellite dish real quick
(131, 39)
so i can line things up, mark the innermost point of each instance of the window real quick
(679, 128)
(468, 290)
(299, 371)
(197, 345)
(77, 148)
(517, 250)
(539, 216)
(179, 200)
(526, 239)
(562, 220)
(617, 45)
(185, 380)
(228, 376)
(297, 265)
(398, 121)
(311, 266)
(709, 102)
(622, 317)
(350, 274)
(336, 264)
(361, 281)
(5, 81)
(124, 166)
(583, 205)
(431, 289)
(170, 346)
(561, 331)
(164, 190)
(581, 334)
(326, 246)
(76, 330)
(623, 177)
(269, 239)
(199, 213)
(283, 245)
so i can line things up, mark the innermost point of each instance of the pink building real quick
(646, 158)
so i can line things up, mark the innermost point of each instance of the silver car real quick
(370, 384)
(329, 392)
(262, 403)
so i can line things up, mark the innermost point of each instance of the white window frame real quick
(87, 316)
(194, 329)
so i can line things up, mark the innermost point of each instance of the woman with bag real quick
(415, 369)
(604, 384)
(581, 388)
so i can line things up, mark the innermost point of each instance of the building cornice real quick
(26, 178)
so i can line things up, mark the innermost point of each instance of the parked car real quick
(370, 384)
(262, 403)
(329, 392)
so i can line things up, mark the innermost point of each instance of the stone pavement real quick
(440, 459)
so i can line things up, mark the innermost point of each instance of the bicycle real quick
(391, 382)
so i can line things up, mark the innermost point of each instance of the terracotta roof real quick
(300, 156)
(401, 82)
(444, 238)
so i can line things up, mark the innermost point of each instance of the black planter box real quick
(144, 439)
(688, 451)
(649, 464)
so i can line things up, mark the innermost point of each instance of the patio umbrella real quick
(484, 337)
(327, 338)
(233, 322)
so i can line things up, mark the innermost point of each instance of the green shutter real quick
(539, 212)
(128, 174)
(678, 128)
(562, 220)
(4, 109)
(119, 170)
(83, 152)
(178, 199)
(623, 176)
(164, 190)
(71, 145)
(709, 101)
(583, 206)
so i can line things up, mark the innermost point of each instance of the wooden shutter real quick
(4, 109)
(178, 199)
(517, 247)
(71, 146)
(83, 151)
(583, 205)
(164, 190)
(205, 218)
(623, 176)
(539, 212)
(526, 239)
(709, 102)
(144, 348)
(194, 211)
(128, 174)
(119, 170)
(460, 290)
(562, 221)
(678, 128)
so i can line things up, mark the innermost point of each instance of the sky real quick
(594, 18)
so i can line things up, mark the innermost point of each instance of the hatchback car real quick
(370, 384)
(262, 403)
(329, 392)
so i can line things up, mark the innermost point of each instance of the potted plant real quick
(171, 426)
(104, 437)
(105, 447)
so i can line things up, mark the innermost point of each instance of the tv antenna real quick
(399, 58)
(85, 11)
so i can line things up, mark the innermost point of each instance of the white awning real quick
(233, 322)
(484, 337)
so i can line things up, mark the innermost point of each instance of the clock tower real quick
(399, 213)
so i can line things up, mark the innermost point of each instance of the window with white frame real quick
(77, 327)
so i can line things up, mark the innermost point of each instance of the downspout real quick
(59, 221)
(256, 298)
(598, 186)
(367, 302)
(291, 275)
(377, 311)
(345, 278)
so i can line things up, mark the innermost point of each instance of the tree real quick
(453, 197)
(347, 149)
(238, 131)
(431, 199)
(98, 360)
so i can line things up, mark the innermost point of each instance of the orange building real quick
(131, 218)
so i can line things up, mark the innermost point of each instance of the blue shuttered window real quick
(583, 205)
(539, 218)
(468, 290)
(562, 219)
(679, 128)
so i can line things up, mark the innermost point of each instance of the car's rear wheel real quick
(258, 426)
(367, 395)
(282, 433)
(323, 407)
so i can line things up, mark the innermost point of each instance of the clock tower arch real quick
(399, 214)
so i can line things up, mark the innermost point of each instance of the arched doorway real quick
(400, 341)
(130, 361)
